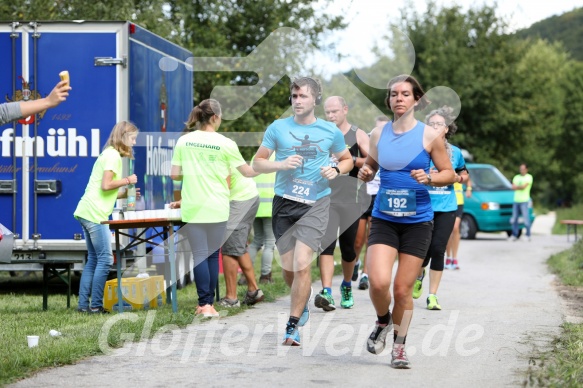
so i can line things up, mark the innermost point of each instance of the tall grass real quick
(563, 366)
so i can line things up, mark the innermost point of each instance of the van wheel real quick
(468, 228)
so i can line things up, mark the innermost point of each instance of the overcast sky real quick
(367, 17)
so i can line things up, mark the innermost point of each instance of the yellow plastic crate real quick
(135, 291)
(157, 291)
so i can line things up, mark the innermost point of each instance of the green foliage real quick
(235, 29)
(566, 28)
(568, 265)
(563, 366)
(519, 97)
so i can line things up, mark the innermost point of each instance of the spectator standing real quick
(95, 206)
(521, 184)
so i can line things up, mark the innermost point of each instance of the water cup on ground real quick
(32, 340)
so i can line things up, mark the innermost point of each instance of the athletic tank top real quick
(344, 187)
(401, 198)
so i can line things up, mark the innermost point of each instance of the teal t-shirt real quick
(443, 199)
(524, 194)
(96, 205)
(314, 142)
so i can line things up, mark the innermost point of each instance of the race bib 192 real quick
(398, 202)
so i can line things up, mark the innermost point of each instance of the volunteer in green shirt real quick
(202, 160)
(95, 206)
(521, 184)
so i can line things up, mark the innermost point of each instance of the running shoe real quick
(306, 314)
(432, 303)
(253, 297)
(225, 302)
(418, 286)
(399, 358)
(324, 301)
(448, 263)
(346, 299)
(363, 284)
(355, 271)
(375, 343)
(454, 264)
(291, 336)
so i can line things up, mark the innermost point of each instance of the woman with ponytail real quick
(203, 160)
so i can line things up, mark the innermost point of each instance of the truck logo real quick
(25, 95)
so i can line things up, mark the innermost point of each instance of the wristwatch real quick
(428, 179)
(337, 169)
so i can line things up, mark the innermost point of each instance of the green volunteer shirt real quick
(524, 194)
(96, 204)
(207, 159)
(242, 188)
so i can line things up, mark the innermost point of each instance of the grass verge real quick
(563, 365)
(83, 335)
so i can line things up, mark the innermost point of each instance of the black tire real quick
(468, 228)
(509, 233)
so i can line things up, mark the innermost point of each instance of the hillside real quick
(567, 28)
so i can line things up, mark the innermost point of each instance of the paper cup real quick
(166, 206)
(160, 213)
(116, 216)
(32, 340)
(131, 215)
(140, 214)
(149, 214)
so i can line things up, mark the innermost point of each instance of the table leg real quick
(118, 266)
(69, 285)
(172, 259)
(45, 286)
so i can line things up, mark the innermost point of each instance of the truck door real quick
(50, 156)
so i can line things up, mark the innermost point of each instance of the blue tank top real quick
(401, 199)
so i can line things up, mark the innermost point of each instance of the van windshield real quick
(488, 179)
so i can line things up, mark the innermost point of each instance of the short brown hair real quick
(313, 84)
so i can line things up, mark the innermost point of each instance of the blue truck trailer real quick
(119, 71)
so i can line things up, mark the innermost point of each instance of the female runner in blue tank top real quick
(402, 217)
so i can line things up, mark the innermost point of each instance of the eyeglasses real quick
(436, 125)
